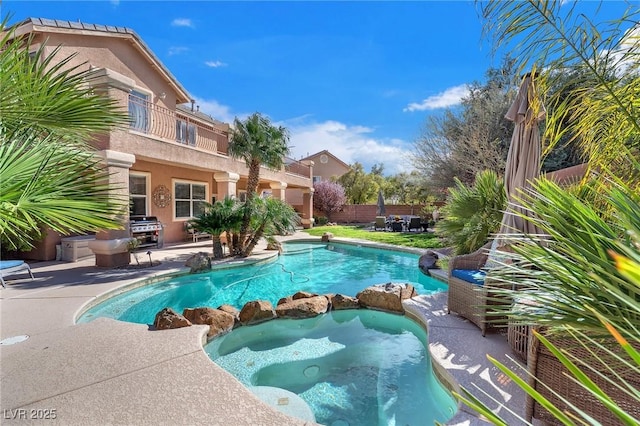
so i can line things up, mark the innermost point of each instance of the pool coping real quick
(59, 293)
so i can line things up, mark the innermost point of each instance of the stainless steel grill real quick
(148, 230)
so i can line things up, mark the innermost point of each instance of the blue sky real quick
(357, 78)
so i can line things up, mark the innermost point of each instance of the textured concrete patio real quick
(111, 372)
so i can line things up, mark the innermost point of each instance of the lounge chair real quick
(380, 223)
(11, 267)
(414, 223)
(470, 290)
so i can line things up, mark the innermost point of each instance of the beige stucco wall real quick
(115, 53)
(124, 67)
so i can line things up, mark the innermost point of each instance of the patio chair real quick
(12, 267)
(414, 223)
(380, 223)
(547, 372)
(470, 292)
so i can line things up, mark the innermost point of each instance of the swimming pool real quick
(314, 267)
(353, 367)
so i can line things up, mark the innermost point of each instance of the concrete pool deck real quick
(111, 372)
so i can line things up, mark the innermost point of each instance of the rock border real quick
(386, 297)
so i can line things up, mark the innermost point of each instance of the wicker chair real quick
(473, 301)
(545, 367)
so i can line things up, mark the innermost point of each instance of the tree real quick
(474, 137)
(51, 177)
(473, 213)
(222, 216)
(359, 187)
(258, 143)
(407, 188)
(328, 197)
(585, 273)
(272, 217)
(598, 107)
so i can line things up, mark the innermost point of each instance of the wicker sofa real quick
(550, 372)
(473, 300)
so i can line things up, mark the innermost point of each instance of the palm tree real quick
(586, 273)
(472, 214)
(49, 173)
(258, 143)
(272, 217)
(597, 108)
(216, 219)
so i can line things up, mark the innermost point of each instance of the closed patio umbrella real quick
(523, 159)
(381, 211)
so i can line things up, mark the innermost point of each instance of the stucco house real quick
(326, 165)
(172, 156)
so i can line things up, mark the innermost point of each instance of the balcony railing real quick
(157, 121)
(295, 167)
(154, 120)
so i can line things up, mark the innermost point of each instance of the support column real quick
(307, 208)
(111, 247)
(278, 190)
(226, 184)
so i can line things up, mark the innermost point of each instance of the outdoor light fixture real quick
(162, 95)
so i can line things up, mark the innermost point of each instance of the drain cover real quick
(14, 339)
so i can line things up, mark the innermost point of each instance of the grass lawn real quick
(424, 240)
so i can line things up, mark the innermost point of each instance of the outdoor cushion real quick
(10, 267)
(473, 276)
(6, 264)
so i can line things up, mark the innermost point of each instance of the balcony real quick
(175, 126)
(179, 127)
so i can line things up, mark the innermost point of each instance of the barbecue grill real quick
(148, 230)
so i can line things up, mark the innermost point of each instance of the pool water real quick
(314, 267)
(354, 367)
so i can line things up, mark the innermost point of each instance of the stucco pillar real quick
(278, 190)
(307, 207)
(111, 247)
(226, 184)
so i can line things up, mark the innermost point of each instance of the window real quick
(317, 179)
(138, 195)
(139, 111)
(185, 133)
(190, 199)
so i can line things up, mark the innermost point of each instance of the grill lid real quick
(143, 219)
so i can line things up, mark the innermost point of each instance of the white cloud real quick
(177, 50)
(217, 110)
(182, 22)
(215, 64)
(349, 143)
(450, 97)
(625, 57)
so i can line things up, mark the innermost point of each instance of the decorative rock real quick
(408, 291)
(303, 307)
(199, 262)
(219, 322)
(327, 237)
(386, 297)
(233, 311)
(340, 301)
(428, 261)
(256, 311)
(284, 300)
(303, 295)
(168, 318)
